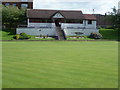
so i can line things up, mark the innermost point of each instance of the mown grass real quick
(60, 64)
(5, 35)
(0, 65)
(109, 34)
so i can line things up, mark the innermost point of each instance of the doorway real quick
(57, 22)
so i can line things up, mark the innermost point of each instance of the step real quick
(60, 32)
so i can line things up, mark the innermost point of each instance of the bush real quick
(95, 36)
(17, 36)
(24, 36)
(99, 27)
(109, 27)
(21, 36)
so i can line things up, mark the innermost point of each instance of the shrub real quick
(95, 36)
(21, 36)
(99, 27)
(109, 27)
(24, 36)
(17, 36)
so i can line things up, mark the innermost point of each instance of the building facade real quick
(67, 19)
(103, 20)
(44, 22)
(19, 3)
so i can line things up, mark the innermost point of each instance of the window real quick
(24, 5)
(74, 21)
(24, 0)
(49, 21)
(7, 4)
(89, 21)
(44, 20)
(81, 21)
(32, 20)
(79, 33)
(14, 4)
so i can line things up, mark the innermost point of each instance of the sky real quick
(86, 6)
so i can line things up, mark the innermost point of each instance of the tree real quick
(0, 17)
(116, 21)
(114, 17)
(13, 16)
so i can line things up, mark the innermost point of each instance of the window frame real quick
(24, 0)
(7, 4)
(14, 4)
(74, 21)
(23, 5)
(81, 21)
(89, 21)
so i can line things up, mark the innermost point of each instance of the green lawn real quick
(5, 35)
(62, 64)
(109, 34)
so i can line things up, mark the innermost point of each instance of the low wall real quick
(86, 32)
(52, 31)
(37, 31)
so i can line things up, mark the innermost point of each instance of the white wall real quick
(37, 25)
(37, 31)
(74, 25)
(86, 32)
(93, 25)
(52, 31)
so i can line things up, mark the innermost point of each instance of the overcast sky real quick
(87, 6)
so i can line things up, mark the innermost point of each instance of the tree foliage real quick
(0, 17)
(114, 16)
(13, 15)
(116, 20)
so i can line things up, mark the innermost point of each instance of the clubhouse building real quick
(50, 22)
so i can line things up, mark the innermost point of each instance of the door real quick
(57, 22)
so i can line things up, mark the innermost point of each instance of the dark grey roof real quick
(68, 14)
